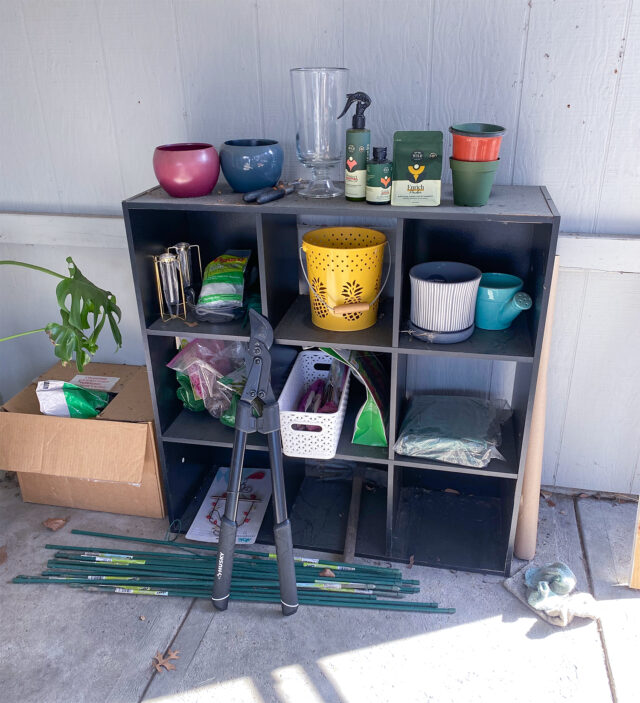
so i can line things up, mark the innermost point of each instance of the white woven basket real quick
(307, 443)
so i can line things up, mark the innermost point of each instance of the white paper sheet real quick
(255, 492)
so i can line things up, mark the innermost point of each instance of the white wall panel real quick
(573, 49)
(218, 43)
(291, 35)
(69, 65)
(395, 68)
(70, 231)
(619, 203)
(564, 339)
(478, 51)
(601, 442)
(143, 82)
(26, 163)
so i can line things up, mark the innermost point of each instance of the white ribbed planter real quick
(443, 295)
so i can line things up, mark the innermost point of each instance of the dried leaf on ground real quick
(165, 660)
(55, 523)
(327, 573)
(545, 494)
(584, 495)
(452, 490)
(3, 554)
(411, 560)
(550, 503)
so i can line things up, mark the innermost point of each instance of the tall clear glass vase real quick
(318, 98)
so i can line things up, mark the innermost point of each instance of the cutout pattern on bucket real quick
(352, 293)
(319, 307)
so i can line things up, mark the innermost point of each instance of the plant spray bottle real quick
(358, 140)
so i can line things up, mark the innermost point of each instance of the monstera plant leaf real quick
(84, 309)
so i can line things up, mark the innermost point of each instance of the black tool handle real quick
(224, 565)
(253, 195)
(286, 567)
(274, 194)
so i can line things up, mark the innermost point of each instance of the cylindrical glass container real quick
(318, 98)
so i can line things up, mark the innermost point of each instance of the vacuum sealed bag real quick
(453, 429)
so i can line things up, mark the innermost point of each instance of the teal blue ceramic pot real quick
(251, 164)
(500, 300)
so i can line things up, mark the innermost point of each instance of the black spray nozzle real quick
(363, 101)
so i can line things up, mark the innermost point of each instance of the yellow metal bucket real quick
(344, 274)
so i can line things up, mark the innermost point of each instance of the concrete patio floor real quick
(66, 646)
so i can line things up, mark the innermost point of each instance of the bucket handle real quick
(346, 308)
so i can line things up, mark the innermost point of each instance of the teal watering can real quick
(500, 300)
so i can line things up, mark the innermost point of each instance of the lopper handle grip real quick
(224, 565)
(286, 567)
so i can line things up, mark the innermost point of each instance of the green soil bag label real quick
(68, 400)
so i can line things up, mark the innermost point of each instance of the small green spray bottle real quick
(358, 139)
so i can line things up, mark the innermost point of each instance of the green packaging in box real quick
(68, 400)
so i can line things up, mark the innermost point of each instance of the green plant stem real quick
(31, 266)
(22, 334)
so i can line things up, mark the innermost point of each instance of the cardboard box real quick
(107, 463)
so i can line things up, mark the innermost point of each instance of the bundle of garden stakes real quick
(189, 574)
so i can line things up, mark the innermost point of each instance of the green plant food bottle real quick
(378, 190)
(357, 152)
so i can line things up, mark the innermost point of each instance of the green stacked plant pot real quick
(472, 181)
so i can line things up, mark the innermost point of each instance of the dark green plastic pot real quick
(472, 181)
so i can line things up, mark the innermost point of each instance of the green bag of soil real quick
(371, 420)
(68, 400)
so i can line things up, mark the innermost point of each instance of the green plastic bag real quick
(68, 400)
(228, 417)
(187, 395)
(223, 280)
(371, 420)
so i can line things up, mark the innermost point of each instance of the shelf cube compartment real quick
(179, 424)
(320, 511)
(213, 232)
(478, 378)
(190, 469)
(517, 248)
(453, 521)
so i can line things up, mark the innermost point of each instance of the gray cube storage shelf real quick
(438, 514)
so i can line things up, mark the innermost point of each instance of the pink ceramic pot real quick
(186, 170)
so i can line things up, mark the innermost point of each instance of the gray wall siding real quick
(88, 88)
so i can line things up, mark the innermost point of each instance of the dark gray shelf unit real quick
(439, 514)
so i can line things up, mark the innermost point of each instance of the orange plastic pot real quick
(476, 141)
